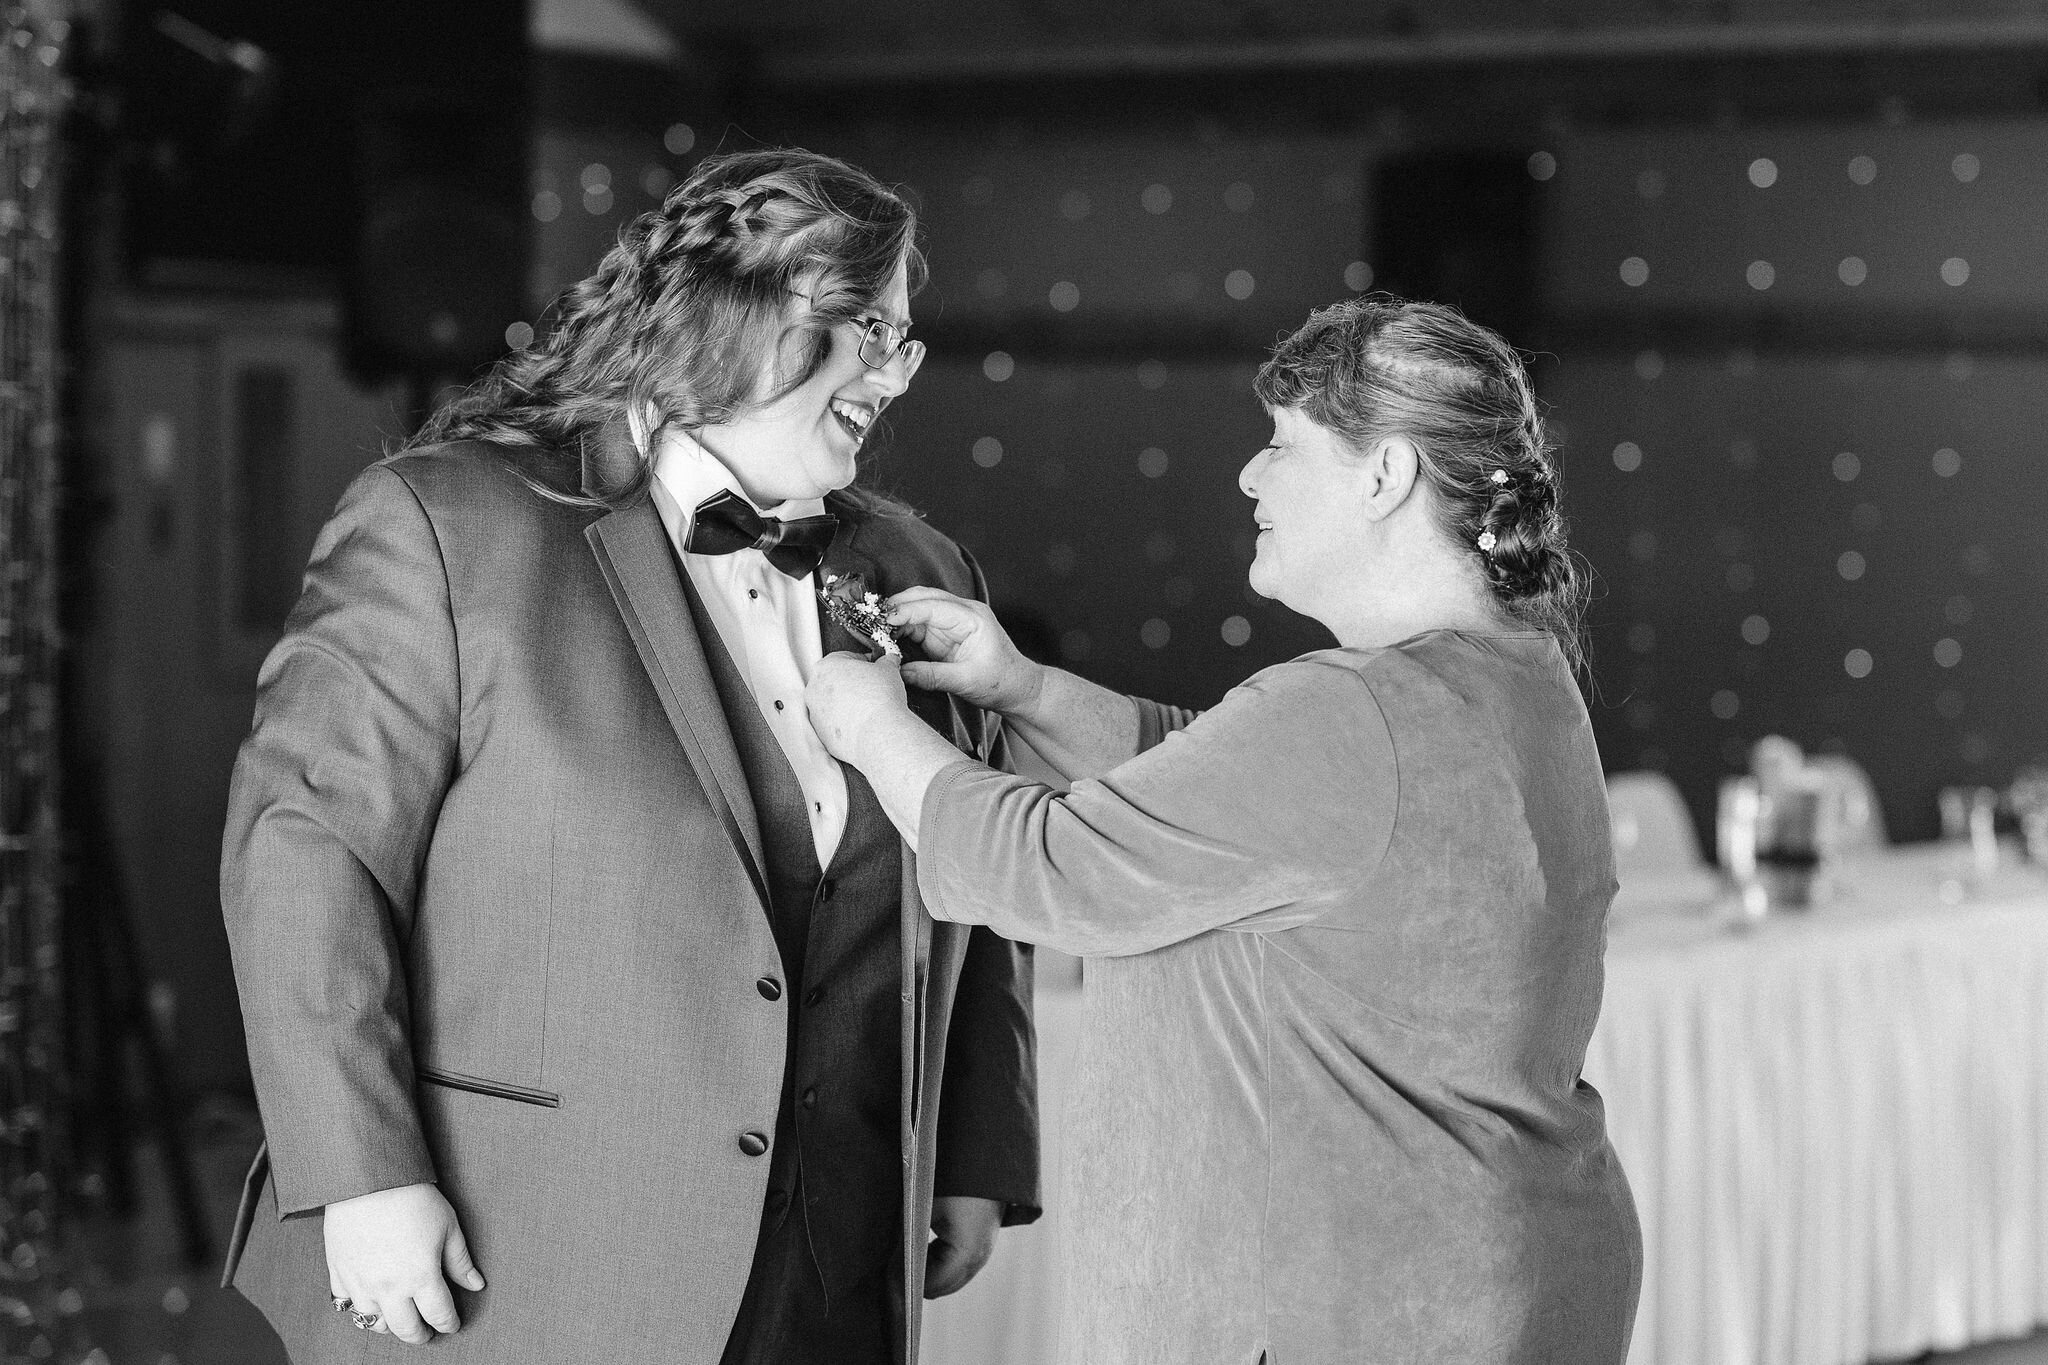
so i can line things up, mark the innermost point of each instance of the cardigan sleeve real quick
(1259, 814)
(1157, 720)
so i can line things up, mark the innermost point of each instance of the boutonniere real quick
(860, 612)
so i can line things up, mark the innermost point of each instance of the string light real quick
(43, 1318)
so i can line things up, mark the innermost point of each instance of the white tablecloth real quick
(1836, 1124)
(1009, 1314)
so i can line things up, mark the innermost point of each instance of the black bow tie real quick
(726, 522)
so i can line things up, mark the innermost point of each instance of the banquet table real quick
(1835, 1123)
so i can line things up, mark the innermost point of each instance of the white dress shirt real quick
(768, 621)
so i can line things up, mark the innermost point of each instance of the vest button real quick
(810, 1100)
(814, 995)
(753, 1143)
(826, 888)
(770, 988)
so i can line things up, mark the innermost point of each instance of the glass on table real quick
(1790, 842)
(1969, 817)
(1738, 824)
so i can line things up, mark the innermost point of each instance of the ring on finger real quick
(363, 1320)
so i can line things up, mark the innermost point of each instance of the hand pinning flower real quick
(862, 613)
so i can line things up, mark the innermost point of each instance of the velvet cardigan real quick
(1343, 937)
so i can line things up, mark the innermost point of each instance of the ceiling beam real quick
(1498, 47)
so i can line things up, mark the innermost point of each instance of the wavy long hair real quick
(1379, 366)
(742, 272)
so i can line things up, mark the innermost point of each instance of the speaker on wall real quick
(386, 163)
(442, 241)
(1459, 227)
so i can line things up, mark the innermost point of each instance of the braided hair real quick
(1376, 366)
(750, 262)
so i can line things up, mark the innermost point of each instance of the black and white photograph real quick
(1024, 682)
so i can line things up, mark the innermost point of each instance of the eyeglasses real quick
(883, 342)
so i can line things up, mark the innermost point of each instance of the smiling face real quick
(805, 443)
(1306, 487)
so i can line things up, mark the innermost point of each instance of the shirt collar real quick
(690, 474)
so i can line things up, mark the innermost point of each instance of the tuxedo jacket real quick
(493, 882)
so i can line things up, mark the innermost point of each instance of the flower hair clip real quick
(1499, 478)
(1487, 540)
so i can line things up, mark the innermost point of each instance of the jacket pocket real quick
(454, 1080)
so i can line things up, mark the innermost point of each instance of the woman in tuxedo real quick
(591, 1007)
(1344, 931)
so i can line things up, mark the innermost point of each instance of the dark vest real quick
(835, 1163)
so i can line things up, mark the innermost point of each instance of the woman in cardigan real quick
(1345, 929)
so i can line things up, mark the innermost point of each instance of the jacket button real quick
(810, 1100)
(814, 995)
(753, 1143)
(770, 988)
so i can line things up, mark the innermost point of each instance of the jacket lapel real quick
(639, 566)
(843, 557)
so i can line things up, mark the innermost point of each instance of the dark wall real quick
(271, 169)
(374, 150)
(1801, 443)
